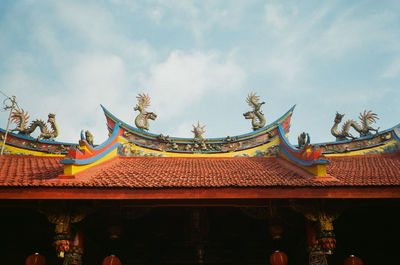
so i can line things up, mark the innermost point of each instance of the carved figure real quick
(142, 120)
(256, 115)
(198, 132)
(301, 140)
(20, 117)
(89, 137)
(366, 119)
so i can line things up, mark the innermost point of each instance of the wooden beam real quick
(199, 193)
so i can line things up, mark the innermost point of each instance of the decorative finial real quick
(198, 131)
(141, 120)
(256, 115)
(89, 137)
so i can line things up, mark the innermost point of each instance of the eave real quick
(201, 193)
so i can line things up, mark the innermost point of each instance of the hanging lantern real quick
(353, 260)
(111, 260)
(35, 259)
(328, 241)
(278, 258)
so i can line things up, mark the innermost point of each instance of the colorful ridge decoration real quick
(305, 156)
(85, 155)
(271, 140)
(386, 142)
(20, 144)
(125, 140)
(142, 143)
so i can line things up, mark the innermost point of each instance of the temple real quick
(145, 198)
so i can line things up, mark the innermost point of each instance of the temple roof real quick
(179, 172)
(133, 163)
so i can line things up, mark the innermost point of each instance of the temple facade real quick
(256, 198)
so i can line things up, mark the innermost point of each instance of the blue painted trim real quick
(286, 141)
(357, 149)
(285, 145)
(395, 135)
(34, 139)
(199, 152)
(361, 138)
(92, 159)
(100, 155)
(300, 161)
(242, 137)
(83, 135)
(110, 139)
(36, 150)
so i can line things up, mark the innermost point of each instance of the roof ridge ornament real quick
(366, 118)
(256, 115)
(198, 131)
(142, 120)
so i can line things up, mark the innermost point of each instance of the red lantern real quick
(278, 258)
(353, 260)
(35, 259)
(111, 260)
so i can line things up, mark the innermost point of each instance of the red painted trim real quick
(200, 193)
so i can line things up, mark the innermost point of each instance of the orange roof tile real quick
(158, 172)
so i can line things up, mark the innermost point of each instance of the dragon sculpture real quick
(198, 132)
(256, 116)
(142, 120)
(20, 117)
(366, 118)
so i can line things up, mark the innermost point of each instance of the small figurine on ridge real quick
(198, 132)
(142, 120)
(256, 115)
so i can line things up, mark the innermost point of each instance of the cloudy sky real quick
(198, 60)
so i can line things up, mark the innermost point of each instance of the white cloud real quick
(156, 14)
(277, 17)
(185, 77)
(393, 70)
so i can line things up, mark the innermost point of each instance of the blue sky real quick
(198, 60)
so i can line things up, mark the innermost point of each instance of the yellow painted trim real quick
(84, 147)
(379, 149)
(72, 169)
(318, 170)
(248, 152)
(16, 150)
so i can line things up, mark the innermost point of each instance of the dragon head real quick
(249, 115)
(338, 117)
(52, 118)
(151, 115)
